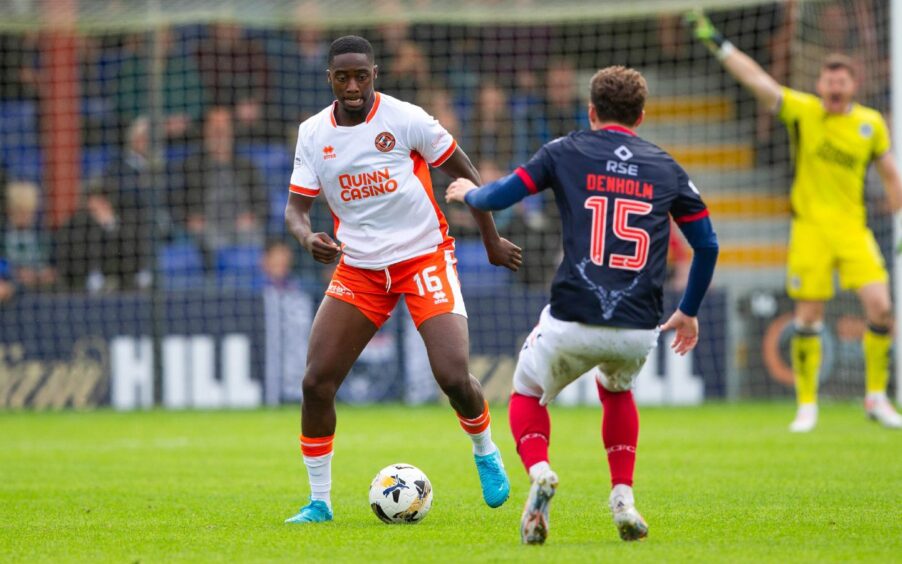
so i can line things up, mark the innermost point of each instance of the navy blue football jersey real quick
(616, 193)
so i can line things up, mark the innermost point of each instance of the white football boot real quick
(881, 410)
(534, 523)
(806, 418)
(629, 523)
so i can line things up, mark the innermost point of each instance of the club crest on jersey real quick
(866, 130)
(385, 141)
(328, 152)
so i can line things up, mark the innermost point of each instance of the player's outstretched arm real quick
(297, 220)
(498, 195)
(742, 67)
(500, 251)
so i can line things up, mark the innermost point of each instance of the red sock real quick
(531, 428)
(620, 432)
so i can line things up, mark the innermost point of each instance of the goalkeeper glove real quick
(704, 31)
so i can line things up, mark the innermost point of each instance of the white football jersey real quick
(375, 177)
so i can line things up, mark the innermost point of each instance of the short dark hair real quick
(350, 44)
(618, 94)
(838, 61)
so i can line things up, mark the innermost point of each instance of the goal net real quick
(146, 149)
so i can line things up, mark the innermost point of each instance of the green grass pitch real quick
(717, 483)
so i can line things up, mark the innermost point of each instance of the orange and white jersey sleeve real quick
(429, 138)
(303, 178)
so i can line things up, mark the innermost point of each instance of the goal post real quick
(896, 105)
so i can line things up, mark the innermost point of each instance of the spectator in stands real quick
(564, 111)
(219, 198)
(183, 91)
(7, 288)
(491, 134)
(526, 115)
(18, 67)
(235, 72)
(298, 63)
(98, 251)
(130, 179)
(407, 75)
(278, 265)
(439, 104)
(26, 247)
(3, 178)
(98, 114)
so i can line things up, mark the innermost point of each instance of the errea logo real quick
(336, 288)
(623, 153)
(328, 152)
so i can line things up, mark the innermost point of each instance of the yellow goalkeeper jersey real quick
(832, 153)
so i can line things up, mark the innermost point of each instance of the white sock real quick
(319, 472)
(537, 469)
(624, 493)
(482, 442)
(809, 409)
(875, 396)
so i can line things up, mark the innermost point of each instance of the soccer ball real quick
(401, 493)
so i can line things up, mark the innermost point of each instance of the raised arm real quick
(742, 67)
(500, 251)
(297, 219)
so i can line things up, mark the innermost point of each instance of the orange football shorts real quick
(428, 283)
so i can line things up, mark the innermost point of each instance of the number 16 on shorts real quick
(427, 282)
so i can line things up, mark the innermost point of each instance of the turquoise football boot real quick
(314, 512)
(496, 488)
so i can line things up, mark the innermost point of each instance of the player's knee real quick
(455, 385)
(618, 382)
(881, 317)
(318, 387)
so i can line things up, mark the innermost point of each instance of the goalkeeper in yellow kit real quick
(834, 141)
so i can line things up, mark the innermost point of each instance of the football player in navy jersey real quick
(616, 194)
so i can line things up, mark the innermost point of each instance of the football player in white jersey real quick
(370, 154)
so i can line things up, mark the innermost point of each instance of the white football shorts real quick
(557, 353)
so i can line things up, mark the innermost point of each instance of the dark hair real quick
(837, 61)
(618, 94)
(350, 44)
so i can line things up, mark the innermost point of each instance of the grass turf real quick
(716, 483)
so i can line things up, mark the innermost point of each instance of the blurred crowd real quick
(187, 188)
(229, 108)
